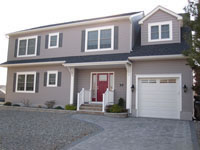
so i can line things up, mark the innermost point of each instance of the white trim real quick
(163, 9)
(25, 73)
(159, 24)
(99, 30)
(108, 81)
(72, 78)
(3, 91)
(57, 44)
(158, 57)
(139, 76)
(27, 38)
(33, 64)
(56, 79)
(95, 63)
(129, 74)
(70, 25)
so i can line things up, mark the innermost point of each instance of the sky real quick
(23, 14)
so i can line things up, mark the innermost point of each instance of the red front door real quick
(102, 85)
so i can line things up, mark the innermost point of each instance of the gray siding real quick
(160, 16)
(71, 45)
(60, 94)
(169, 67)
(119, 77)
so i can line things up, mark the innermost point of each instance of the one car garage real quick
(159, 97)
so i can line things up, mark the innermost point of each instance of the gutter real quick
(158, 57)
(33, 64)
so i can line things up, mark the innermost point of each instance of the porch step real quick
(91, 107)
(91, 112)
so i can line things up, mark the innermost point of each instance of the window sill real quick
(99, 50)
(160, 40)
(25, 91)
(26, 56)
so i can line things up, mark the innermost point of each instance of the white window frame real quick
(27, 38)
(49, 43)
(56, 79)
(99, 29)
(25, 73)
(159, 24)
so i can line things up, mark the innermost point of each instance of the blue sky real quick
(23, 14)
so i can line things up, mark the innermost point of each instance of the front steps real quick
(94, 109)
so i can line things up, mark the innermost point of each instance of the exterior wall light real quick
(185, 88)
(132, 88)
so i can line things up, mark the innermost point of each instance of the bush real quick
(50, 104)
(70, 107)
(16, 105)
(116, 109)
(58, 107)
(121, 102)
(8, 104)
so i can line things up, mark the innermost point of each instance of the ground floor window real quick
(52, 77)
(26, 82)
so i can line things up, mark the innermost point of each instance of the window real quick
(52, 77)
(99, 39)
(161, 31)
(27, 46)
(168, 81)
(26, 82)
(53, 40)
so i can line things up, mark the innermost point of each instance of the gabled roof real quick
(179, 17)
(77, 22)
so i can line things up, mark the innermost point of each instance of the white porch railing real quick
(108, 99)
(83, 97)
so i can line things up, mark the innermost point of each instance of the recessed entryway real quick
(100, 81)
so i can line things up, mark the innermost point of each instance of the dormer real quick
(161, 26)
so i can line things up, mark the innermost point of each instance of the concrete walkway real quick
(136, 134)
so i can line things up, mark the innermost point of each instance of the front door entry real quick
(100, 83)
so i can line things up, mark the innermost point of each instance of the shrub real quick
(16, 105)
(58, 107)
(116, 109)
(70, 107)
(121, 102)
(50, 104)
(7, 103)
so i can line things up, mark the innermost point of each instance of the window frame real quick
(56, 79)
(159, 24)
(99, 31)
(26, 53)
(25, 82)
(49, 41)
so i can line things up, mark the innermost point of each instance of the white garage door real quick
(159, 98)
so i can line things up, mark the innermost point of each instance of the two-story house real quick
(132, 56)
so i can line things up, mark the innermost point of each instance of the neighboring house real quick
(2, 93)
(97, 61)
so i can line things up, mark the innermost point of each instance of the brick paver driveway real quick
(138, 134)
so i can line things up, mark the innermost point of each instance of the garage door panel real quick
(161, 114)
(159, 99)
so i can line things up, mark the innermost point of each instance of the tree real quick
(193, 54)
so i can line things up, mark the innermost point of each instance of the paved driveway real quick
(137, 134)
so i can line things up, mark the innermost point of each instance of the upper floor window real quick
(53, 40)
(160, 31)
(26, 82)
(99, 39)
(52, 77)
(27, 46)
